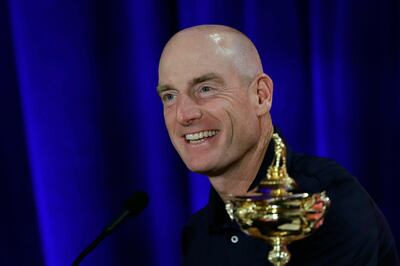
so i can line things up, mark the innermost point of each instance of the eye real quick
(205, 89)
(168, 98)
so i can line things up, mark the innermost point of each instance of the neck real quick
(237, 180)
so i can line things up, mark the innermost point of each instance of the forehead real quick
(193, 57)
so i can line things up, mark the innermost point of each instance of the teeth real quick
(200, 135)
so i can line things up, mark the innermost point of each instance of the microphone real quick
(133, 206)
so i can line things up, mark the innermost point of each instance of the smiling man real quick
(217, 102)
(216, 105)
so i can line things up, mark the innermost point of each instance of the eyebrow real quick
(206, 77)
(162, 88)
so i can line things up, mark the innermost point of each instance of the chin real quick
(199, 169)
(209, 170)
(203, 169)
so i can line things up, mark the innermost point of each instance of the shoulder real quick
(317, 173)
(195, 228)
(348, 197)
(198, 219)
(194, 236)
(354, 228)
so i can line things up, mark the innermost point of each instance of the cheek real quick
(233, 101)
(169, 121)
(246, 123)
(239, 111)
(169, 124)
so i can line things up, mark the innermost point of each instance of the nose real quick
(187, 111)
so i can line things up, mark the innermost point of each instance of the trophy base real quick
(279, 255)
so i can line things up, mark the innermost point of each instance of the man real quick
(217, 102)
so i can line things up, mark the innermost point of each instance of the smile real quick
(200, 136)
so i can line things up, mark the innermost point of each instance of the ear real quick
(262, 90)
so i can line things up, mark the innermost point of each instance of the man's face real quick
(208, 108)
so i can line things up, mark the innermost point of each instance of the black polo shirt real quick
(354, 231)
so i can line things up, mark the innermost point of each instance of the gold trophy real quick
(275, 213)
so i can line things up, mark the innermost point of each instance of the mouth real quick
(201, 136)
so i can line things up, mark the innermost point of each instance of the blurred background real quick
(82, 126)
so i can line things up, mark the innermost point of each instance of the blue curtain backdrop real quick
(82, 125)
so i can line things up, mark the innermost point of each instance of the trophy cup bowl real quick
(275, 214)
(279, 220)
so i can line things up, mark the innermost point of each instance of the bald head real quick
(225, 46)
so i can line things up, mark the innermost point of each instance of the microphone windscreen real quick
(137, 202)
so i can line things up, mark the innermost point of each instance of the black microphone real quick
(133, 206)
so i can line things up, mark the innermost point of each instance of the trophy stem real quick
(279, 255)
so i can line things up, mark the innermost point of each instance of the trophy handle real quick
(279, 255)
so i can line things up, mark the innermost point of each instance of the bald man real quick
(217, 100)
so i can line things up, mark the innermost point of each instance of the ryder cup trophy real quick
(275, 213)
